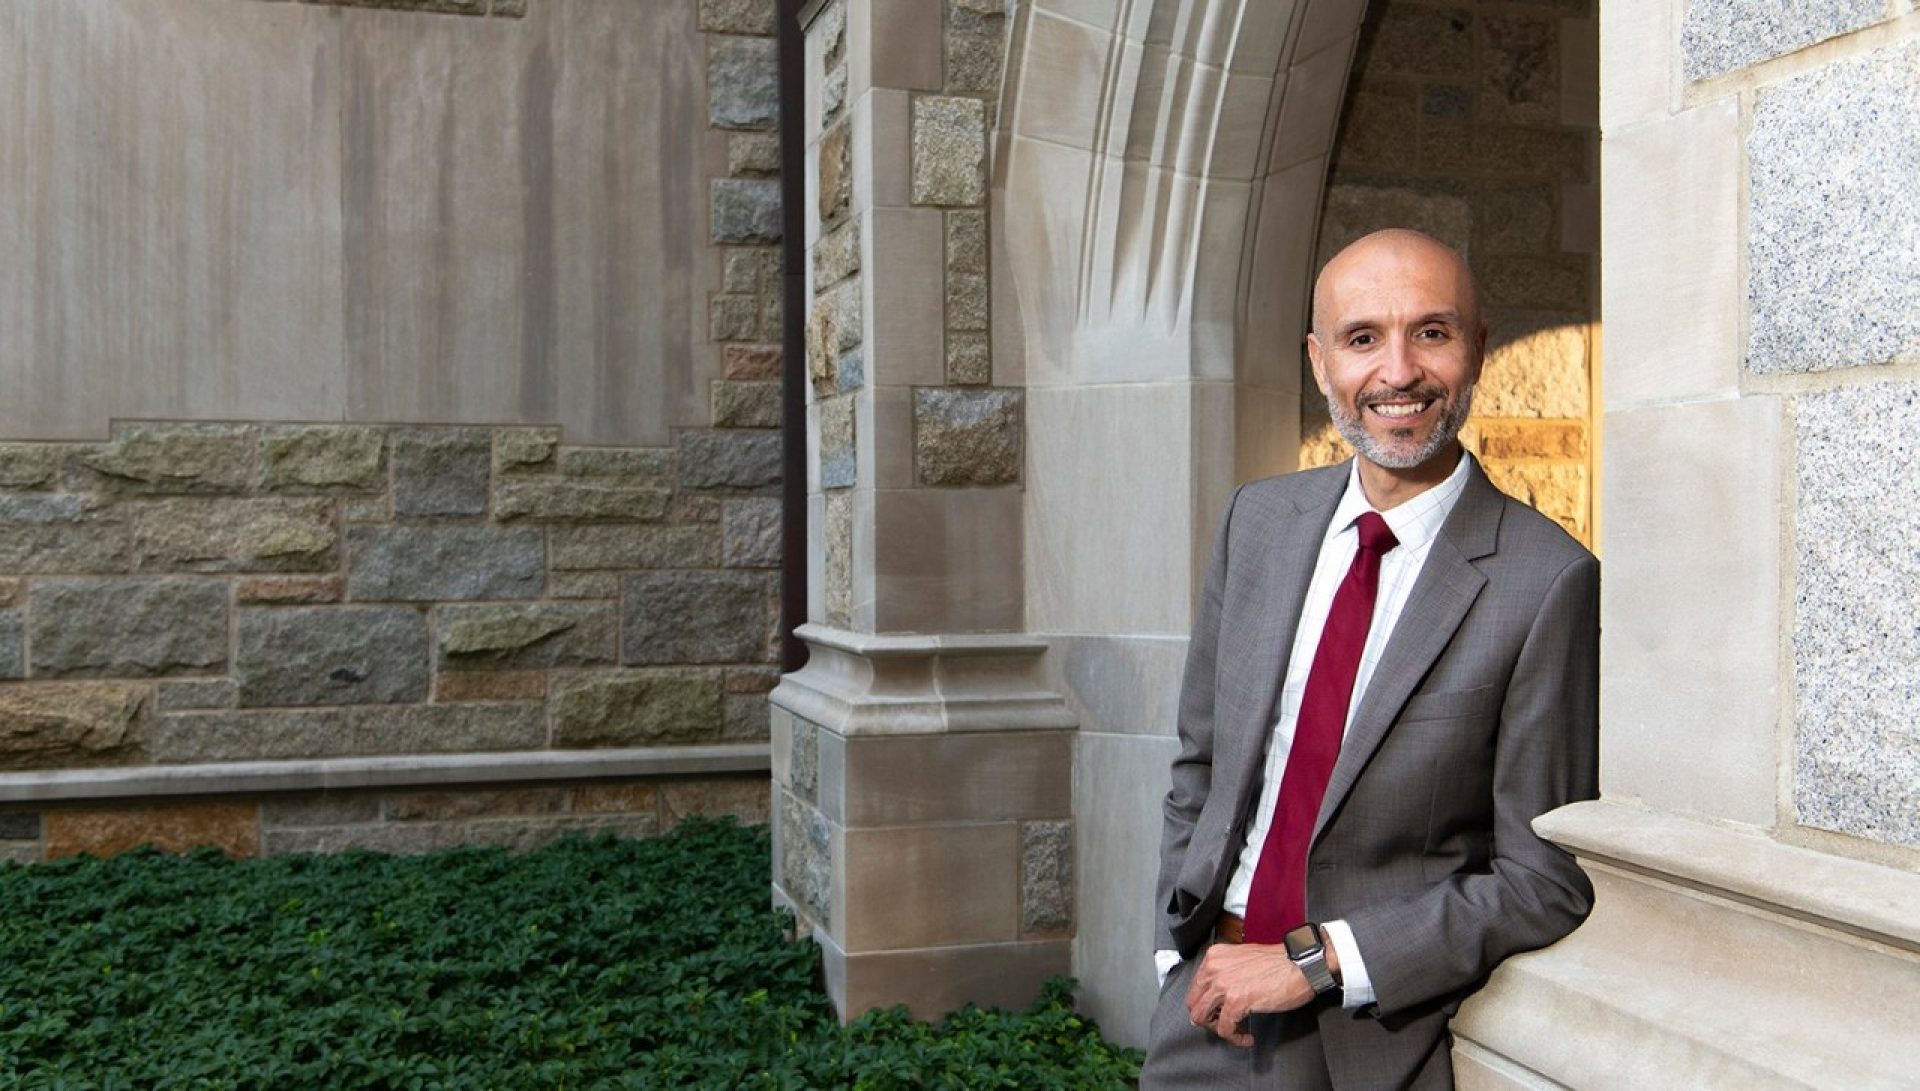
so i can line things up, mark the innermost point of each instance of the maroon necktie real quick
(1277, 904)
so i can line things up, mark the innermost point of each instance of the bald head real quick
(1396, 253)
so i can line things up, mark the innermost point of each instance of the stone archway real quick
(1161, 168)
(1159, 173)
(1055, 316)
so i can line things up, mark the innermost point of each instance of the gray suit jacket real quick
(1481, 715)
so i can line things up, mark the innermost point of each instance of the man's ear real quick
(1319, 364)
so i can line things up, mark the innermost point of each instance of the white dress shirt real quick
(1415, 524)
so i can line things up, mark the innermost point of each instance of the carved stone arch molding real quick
(1160, 172)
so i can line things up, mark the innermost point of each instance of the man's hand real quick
(1234, 981)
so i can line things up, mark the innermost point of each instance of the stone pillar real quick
(922, 815)
(1755, 851)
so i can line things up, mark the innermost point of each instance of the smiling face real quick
(1396, 347)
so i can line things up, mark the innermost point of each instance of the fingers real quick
(1203, 1007)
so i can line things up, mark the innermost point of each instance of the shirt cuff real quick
(1163, 964)
(1356, 988)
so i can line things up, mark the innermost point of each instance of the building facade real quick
(968, 772)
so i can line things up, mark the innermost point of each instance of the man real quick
(1392, 672)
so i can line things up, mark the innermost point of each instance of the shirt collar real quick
(1414, 523)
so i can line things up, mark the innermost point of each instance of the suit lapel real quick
(1445, 589)
(1276, 597)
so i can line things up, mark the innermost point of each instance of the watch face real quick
(1303, 941)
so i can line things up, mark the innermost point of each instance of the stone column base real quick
(923, 818)
(1714, 957)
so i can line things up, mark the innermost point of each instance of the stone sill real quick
(1852, 896)
(858, 683)
(399, 771)
(902, 645)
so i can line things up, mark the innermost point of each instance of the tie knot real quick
(1375, 537)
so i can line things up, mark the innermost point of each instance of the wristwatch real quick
(1308, 950)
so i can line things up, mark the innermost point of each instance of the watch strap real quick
(1313, 961)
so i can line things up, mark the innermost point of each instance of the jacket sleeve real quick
(1532, 892)
(1193, 766)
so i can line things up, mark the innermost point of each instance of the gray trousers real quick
(1289, 1050)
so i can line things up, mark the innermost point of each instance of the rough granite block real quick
(543, 634)
(61, 725)
(838, 464)
(1833, 242)
(578, 501)
(13, 654)
(276, 734)
(750, 533)
(837, 256)
(440, 471)
(429, 563)
(1720, 36)
(836, 173)
(966, 437)
(445, 729)
(524, 449)
(1856, 646)
(233, 828)
(738, 16)
(28, 465)
(949, 150)
(753, 153)
(743, 82)
(65, 533)
(331, 655)
(127, 628)
(634, 465)
(528, 685)
(636, 707)
(322, 456)
(746, 210)
(806, 858)
(746, 405)
(695, 617)
(1046, 876)
(177, 458)
(729, 459)
(234, 535)
(20, 826)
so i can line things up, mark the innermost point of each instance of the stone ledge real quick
(1673, 989)
(401, 771)
(923, 683)
(1863, 899)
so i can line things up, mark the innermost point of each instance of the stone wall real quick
(476, 632)
(244, 592)
(1759, 771)
(1477, 123)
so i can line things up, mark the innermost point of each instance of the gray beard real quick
(1445, 431)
